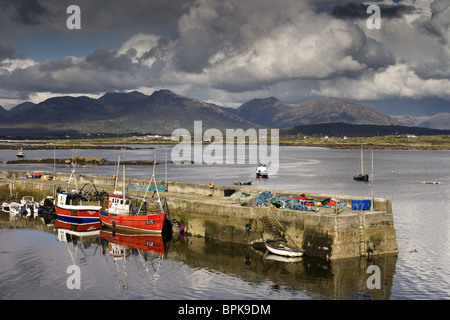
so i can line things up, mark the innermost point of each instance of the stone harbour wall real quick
(323, 234)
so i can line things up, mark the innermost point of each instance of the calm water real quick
(34, 261)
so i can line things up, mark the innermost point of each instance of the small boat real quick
(5, 207)
(27, 200)
(47, 208)
(20, 154)
(282, 249)
(120, 214)
(14, 209)
(29, 210)
(361, 176)
(261, 171)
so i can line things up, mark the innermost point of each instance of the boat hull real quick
(361, 177)
(152, 223)
(78, 214)
(262, 175)
(279, 248)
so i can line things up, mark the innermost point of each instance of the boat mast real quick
(117, 174)
(149, 185)
(123, 184)
(156, 186)
(362, 161)
(72, 176)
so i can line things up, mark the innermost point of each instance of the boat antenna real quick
(72, 176)
(123, 184)
(362, 161)
(54, 162)
(152, 179)
(117, 174)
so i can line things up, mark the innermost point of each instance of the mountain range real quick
(164, 111)
(439, 121)
(273, 113)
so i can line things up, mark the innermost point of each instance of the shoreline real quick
(36, 146)
(365, 145)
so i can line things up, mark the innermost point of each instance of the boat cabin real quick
(70, 198)
(64, 199)
(117, 204)
(261, 170)
(20, 154)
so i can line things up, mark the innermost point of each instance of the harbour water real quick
(34, 260)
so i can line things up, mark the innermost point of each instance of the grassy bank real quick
(391, 142)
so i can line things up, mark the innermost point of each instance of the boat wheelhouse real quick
(261, 171)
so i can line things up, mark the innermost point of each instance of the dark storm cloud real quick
(7, 51)
(359, 11)
(230, 48)
(28, 12)
(21, 16)
(108, 59)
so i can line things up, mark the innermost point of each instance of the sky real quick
(230, 51)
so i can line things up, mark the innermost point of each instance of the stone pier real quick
(326, 234)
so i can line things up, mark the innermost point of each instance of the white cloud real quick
(11, 65)
(397, 81)
(231, 51)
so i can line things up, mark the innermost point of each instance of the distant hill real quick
(164, 111)
(363, 130)
(273, 113)
(438, 121)
(161, 112)
(3, 111)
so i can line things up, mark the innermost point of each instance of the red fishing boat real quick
(75, 207)
(70, 208)
(120, 214)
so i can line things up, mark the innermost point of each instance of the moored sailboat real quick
(361, 176)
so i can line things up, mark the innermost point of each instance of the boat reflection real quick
(75, 227)
(147, 250)
(120, 244)
(274, 257)
(82, 238)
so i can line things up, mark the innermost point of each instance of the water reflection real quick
(149, 266)
(147, 250)
(80, 236)
(340, 279)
